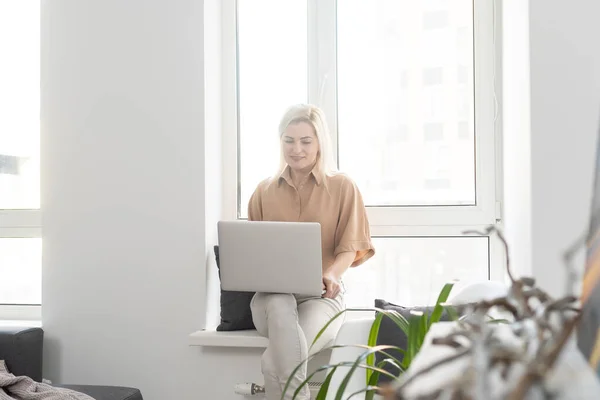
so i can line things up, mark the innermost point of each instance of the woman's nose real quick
(297, 149)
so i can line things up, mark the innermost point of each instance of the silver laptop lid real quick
(271, 257)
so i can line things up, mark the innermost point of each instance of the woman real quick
(307, 189)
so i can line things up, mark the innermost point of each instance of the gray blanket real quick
(24, 388)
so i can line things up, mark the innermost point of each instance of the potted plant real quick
(540, 325)
(415, 328)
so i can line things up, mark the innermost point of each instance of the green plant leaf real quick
(412, 340)
(398, 319)
(370, 390)
(322, 395)
(452, 313)
(381, 349)
(393, 315)
(320, 333)
(355, 365)
(331, 366)
(423, 328)
(374, 332)
(310, 357)
(439, 308)
(372, 341)
(374, 380)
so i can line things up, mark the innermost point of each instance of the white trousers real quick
(291, 323)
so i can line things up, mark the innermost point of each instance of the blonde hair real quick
(315, 117)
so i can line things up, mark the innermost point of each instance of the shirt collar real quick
(286, 175)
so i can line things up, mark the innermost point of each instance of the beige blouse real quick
(335, 202)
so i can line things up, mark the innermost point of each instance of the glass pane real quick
(272, 71)
(405, 100)
(19, 104)
(21, 271)
(412, 271)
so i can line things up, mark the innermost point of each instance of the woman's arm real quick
(342, 262)
(352, 232)
(332, 275)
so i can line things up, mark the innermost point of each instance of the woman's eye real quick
(306, 141)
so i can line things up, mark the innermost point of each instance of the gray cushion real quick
(106, 392)
(235, 307)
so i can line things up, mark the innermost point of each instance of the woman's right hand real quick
(331, 286)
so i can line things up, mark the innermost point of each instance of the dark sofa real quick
(22, 349)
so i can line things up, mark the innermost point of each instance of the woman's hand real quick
(331, 285)
(333, 274)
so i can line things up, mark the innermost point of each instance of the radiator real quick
(252, 389)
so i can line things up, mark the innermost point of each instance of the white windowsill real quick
(4, 323)
(212, 338)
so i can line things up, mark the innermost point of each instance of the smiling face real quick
(300, 146)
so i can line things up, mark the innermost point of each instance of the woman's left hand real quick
(332, 286)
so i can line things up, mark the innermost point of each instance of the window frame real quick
(322, 91)
(386, 221)
(20, 224)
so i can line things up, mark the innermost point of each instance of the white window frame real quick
(414, 221)
(20, 224)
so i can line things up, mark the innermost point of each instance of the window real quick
(24, 283)
(407, 87)
(272, 74)
(405, 263)
(20, 230)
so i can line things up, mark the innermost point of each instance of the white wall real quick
(516, 133)
(125, 196)
(549, 154)
(213, 150)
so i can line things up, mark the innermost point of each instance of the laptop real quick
(270, 257)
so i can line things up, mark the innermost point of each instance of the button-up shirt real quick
(333, 201)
